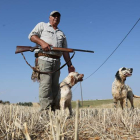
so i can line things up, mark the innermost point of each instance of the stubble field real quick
(101, 122)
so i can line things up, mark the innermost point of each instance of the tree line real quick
(4, 102)
(20, 103)
(25, 103)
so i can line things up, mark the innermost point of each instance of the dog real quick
(64, 97)
(120, 91)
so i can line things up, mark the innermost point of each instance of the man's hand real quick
(71, 69)
(45, 46)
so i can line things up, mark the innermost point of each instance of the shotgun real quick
(20, 49)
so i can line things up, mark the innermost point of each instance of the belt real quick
(47, 55)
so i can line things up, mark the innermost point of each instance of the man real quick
(47, 35)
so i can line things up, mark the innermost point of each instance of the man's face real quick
(54, 19)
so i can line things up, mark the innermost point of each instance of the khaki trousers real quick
(49, 83)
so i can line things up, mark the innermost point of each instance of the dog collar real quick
(66, 84)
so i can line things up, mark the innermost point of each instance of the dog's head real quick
(75, 77)
(123, 72)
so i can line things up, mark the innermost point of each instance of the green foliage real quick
(4, 102)
(25, 104)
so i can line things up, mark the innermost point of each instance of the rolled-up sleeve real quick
(37, 30)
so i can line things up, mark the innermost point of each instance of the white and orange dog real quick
(64, 97)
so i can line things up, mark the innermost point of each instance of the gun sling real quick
(21, 49)
(40, 72)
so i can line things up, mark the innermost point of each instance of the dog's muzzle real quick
(131, 70)
(80, 77)
(129, 73)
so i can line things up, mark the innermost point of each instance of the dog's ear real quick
(123, 68)
(72, 81)
(118, 76)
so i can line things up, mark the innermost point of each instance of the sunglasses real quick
(56, 15)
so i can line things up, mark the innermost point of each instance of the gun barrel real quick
(69, 50)
(83, 50)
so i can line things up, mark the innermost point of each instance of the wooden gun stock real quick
(20, 49)
(61, 49)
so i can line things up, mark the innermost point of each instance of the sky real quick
(97, 25)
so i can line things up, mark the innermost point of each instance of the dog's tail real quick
(135, 96)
